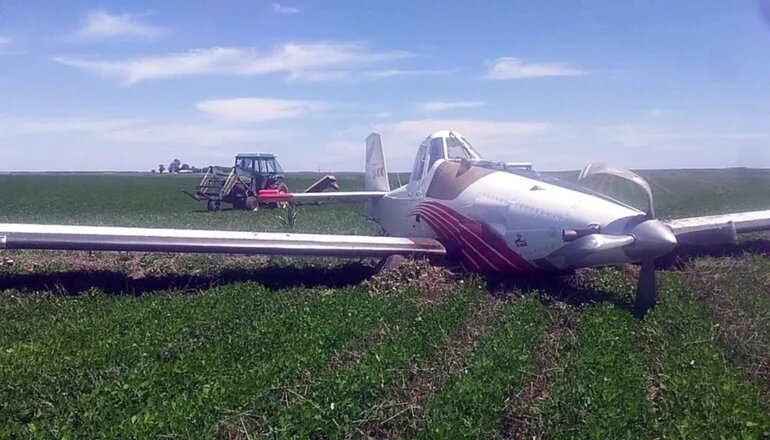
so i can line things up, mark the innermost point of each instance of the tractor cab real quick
(258, 165)
(447, 145)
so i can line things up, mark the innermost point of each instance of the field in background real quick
(122, 345)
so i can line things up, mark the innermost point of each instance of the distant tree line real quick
(176, 166)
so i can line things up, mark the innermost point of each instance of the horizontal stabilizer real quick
(84, 238)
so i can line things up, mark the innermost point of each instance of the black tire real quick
(251, 203)
(239, 203)
(213, 205)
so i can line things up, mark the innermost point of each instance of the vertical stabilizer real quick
(376, 174)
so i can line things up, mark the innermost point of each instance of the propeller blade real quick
(646, 290)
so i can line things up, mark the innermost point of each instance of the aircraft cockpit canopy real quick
(445, 144)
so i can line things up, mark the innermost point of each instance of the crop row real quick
(160, 364)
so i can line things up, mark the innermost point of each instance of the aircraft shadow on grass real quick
(556, 286)
(119, 283)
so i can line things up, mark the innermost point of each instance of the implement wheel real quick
(282, 188)
(213, 205)
(252, 204)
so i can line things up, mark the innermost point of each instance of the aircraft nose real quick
(652, 239)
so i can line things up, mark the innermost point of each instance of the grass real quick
(473, 405)
(148, 346)
(601, 392)
(697, 392)
(344, 400)
(737, 293)
(168, 360)
(148, 200)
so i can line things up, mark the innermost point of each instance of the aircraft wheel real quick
(252, 204)
(213, 205)
(389, 262)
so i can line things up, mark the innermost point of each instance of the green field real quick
(117, 345)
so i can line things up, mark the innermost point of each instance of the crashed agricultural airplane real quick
(490, 217)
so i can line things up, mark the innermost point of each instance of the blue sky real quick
(128, 85)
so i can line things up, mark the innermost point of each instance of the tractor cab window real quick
(245, 164)
(271, 166)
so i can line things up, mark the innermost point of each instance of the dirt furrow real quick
(403, 412)
(524, 419)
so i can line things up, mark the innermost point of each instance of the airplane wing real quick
(715, 229)
(328, 197)
(59, 237)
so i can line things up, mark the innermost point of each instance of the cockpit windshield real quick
(458, 147)
(447, 145)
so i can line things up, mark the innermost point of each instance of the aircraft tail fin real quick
(376, 174)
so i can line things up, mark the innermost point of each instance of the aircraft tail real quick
(376, 174)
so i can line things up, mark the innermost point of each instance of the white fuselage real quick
(498, 221)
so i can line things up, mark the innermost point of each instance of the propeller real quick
(652, 238)
(646, 289)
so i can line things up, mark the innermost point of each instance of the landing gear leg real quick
(389, 262)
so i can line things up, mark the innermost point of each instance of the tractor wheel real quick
(213, 205)
(239, 203)
(251, 203)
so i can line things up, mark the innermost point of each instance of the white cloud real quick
(399, 72)
(313, 76)
(100, 25)
(439, 106)
(4, 43)
(309, 76)
(633, 135)
(289, 58)
(131, 130)
(120, 144)
(258, 109)
(516, 68)
(283, 9)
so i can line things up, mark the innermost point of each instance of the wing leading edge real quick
(716, 229)
(59, 237)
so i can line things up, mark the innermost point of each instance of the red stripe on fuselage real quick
(437, 224)
(483, 251)
(480, 261)
(483, 235)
